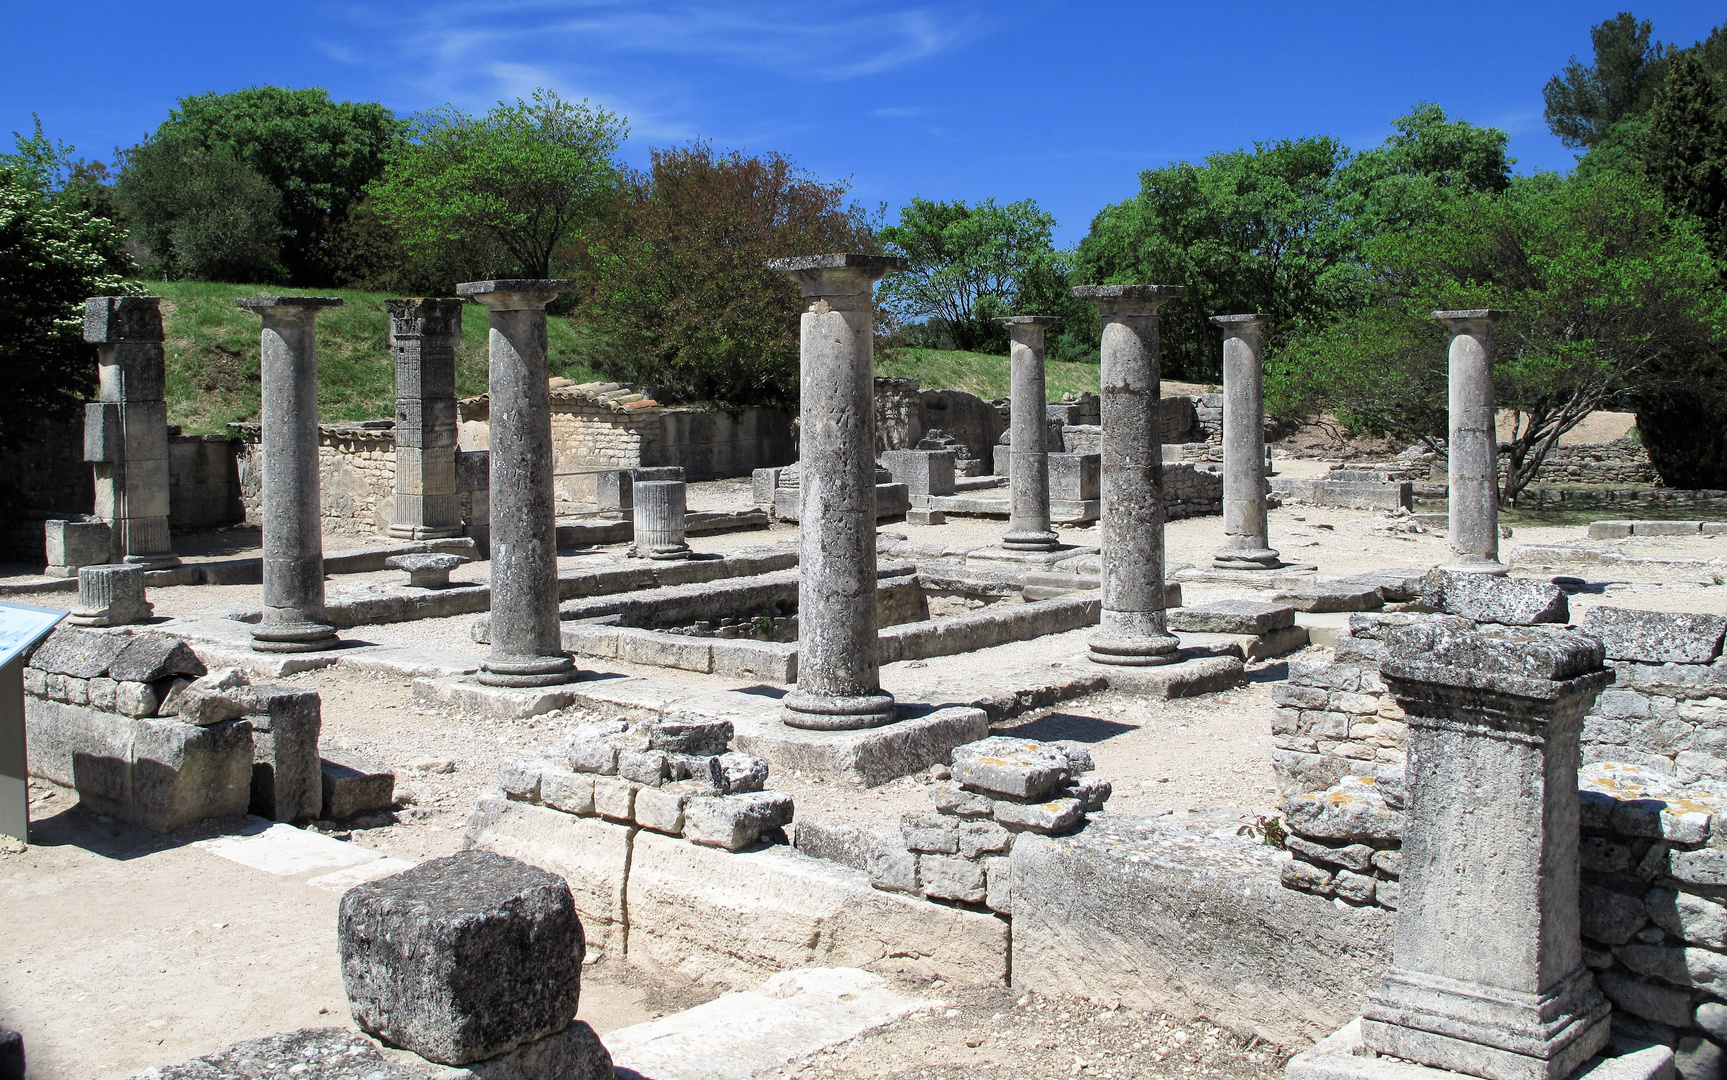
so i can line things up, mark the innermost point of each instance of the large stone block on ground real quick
(591, 855)
(869, 757)
(1232, 617)
(352, 785)
(1018, 768)
(313, 1053)
(1656, 637)
(1190, 677)
(462, 958)
(287, 776)
(1333, 596)
(736, 919)
(1491, 598)
(1152, 913)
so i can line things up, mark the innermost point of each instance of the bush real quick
(201, 214)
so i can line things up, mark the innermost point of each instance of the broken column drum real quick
(1473, 443)
(527, 643)
(111, 594)
(126, 429)
(1132, 629)
(659, 520)
(1488, 975)
(423, 335)
(1028, 526)
(293, 540)
(1247, 536)
(839, 678)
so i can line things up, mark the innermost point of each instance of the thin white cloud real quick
(898, 112)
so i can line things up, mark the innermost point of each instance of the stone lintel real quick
(515, 294)
(1461, 322)
(1128, 299)
(425, 316)
(1234, 325)
(1028, 320)
(109, 320)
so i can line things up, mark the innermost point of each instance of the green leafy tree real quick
(1686, 152)
(201, 213)
(53, 254)
(520, 182)
(1583, 103)
(674, 275)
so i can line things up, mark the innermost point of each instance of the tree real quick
(53, 254)
(970, 264)
(525, 178)
(1686, 150)
(1583, 103)
(316, 153)
(675, 278)
(201, 213)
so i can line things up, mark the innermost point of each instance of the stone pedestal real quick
(1132, 631)
(1247, 543)
(293, 536)
(527, 647)
(659, 520)
(1488, 975)
(1473, 444)
(111, 595)
(1028, 477)
(126, 430)
(839, 683)
(423, 335)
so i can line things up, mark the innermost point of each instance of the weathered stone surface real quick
(1394, 584)
(11, 1054)
(662, 809)
(948, 878)
(311, 1053)
(287, 776)
(1697, 920)
(1332, 596)
(426, 570)
(1661, 1004)
(981, 838)
(734, 822)
(1352, 812)
(353, 785)
(732, 773)
(1232, 617)
(149, 657)
(1019, 768)
(615, 798)
(931, 833)
(574, 1053)
(688, 734)
(645, 766)
(1608, 916)
(567, 790)
(1656, 637)
(1358, 857)
(1052, 817)
(1472, 444)
(592, 856)
(83, 654)
(462, 958)
(1494, 599)
(593, 748)
(950, 798)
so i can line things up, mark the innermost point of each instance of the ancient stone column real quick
(1247, 537)
(1132, 631)
(423, 334)
(659, 520)
(112, 594)
(1473, 444)
(1488, 976)
(126, 429)
(1028, 527)
(527, 642)
(293, 523)
(839, 683)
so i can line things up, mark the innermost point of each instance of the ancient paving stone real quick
(1019, 768)
(462, 958)
(1656, 637)
(1232, 617)
(1494, 599)
(951, 879)
(930, 833)
(734, 822)
(1051, 818)
(353, 785)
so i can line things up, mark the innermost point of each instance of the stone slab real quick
(1287, 576)
(868, 757)
(593, 856)
(1233, 617)
(1656, 637)
(1027, 559)
(1492, 598)
(311, 1053)
(1324, 628)
(504, 702)
(282, 849)
(1342, 1055)
(1185, 678)
(1332, 596)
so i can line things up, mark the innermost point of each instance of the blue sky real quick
(1061, 102)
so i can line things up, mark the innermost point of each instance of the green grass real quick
(977, 373)
(213, 354)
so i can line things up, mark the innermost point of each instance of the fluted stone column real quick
(839, 679)
(423, 334)
(112, 594)
(126, 428)
(1133, 632)
(293, 524)
(1247, 536)
(659, 520)
(1473, 443)
(1028, 478)
(527, 642)
(1487, 975)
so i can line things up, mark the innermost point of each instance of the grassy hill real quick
(979, 373)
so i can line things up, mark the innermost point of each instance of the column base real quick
(666, 554)
(1141, 651)
(837, 712)
(161, 560)
(424, 532)
(1476, 564)
(1246, 559)
(1342, 1056)
(292, 637)
(1030, 540)
(527, 670)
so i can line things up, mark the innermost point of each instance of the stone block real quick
(923, 472)
(947, 878)
(614, 489)
(567, 790)
(287, 774)
(519, 778)
(135, 699)
(592, 747)
(1656, 637)
(1187, 678)
(152, 657)
(734, 822)
(615, 798)
(575, 1053)
(83, 654)
(1666, 528)
(650, 767)
(730, 773)
(1018, 768)
(1347, 814)
(1332, 596)
(1357, 857)
(1343, 1055)
(1074, 477)
(1646, 1000)
(662, 809)
(1092, 792)
(1053, 817)
(353, 785)
(592, 857)
(1232, 617)
(1609, 530)
(950, 798)
(978, 838)
(688, 734)
(321, 1053)
(932, 833)
(998, 885)
(462, 958)
(1489, 598)
(181, 774)
(71, 544)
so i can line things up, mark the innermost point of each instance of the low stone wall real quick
(203, 482)
(1619, 462)
(1191, 490)
(905, 412)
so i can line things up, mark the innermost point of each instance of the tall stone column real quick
(126, 428)
(1028, 527)
(423, 335)
(293, 522)
(1473, 443)
(1247, 537)
(1133, 632)
(527, 642)
(839, 679)
(1488, 976)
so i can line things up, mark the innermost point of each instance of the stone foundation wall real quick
(1191, 490)
(905, 412)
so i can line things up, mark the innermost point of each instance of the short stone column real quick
(839, 678)
(126, 429)
(659, 520)
(527, 642)
(111, 595)
(1028, 477)
(423, 335)
(293, 523)
(1247, 536)
(1473, 442)
(1132, 631)
(1488, 976)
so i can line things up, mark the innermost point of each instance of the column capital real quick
(1011, 321)
(110, 320)
(836, 275)
(1128, 299)
(280, 309)
(425, 316)
(1236, 325)
(1473, 320)
(515, 294)
(1516, 679)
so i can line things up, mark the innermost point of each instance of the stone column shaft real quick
(1247, 535)
(126, 429)
(1133, 631)
(527, 640)
(1028, 478)
(111, 595)
(1473, 442)
(1488, 976)
(424, 334)
(839, 680)
(293, 537)
(659, 520)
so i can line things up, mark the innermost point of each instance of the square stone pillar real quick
(423, 334)
(126, 429)
(1472, 442)
(1247, 536)
(839, 677)
(1028, 475)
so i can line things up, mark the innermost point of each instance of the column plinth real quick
(1247, 534)
(1472, 446)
